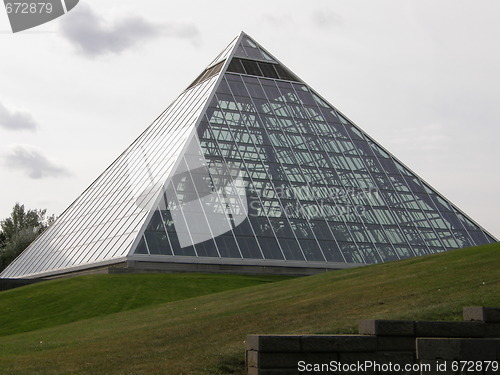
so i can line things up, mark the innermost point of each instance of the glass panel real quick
(469, 225)
(412, 236)
(249, 247)
(268, 70)
(251, 67)
(351, 253)
(490, 238)
(285, 73)
(270, 248)
(332, 251)
(462, 238)
(291, 249)
(178, 250)
(311, 250)
(158, 243)
(141, 248)
(440, 203)
(369, 253)
(227, 247)
(340, 232)
(379, 152)
(207, 249)
(387, 252)
(403, 252)
(235, 66)
(395, 235)
(477, 236)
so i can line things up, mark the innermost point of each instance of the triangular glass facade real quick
(249, 166)
(100, 227)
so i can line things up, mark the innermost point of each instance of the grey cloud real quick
(325, 18)
(94, 36)
(32, 162)
(283, 19)
(16, 120)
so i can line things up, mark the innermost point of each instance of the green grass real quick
(205, 334)
(67, 300)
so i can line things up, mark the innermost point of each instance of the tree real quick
(19, 230)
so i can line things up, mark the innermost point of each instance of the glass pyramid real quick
(250, 170)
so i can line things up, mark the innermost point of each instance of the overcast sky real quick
(421, 77)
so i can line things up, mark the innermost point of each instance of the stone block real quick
(448, 349)
(458, 349)
(273, 343)
(395, 343)
(387, 327)
(482, 314)
(274, 360)
(449, 329)
(492, 330)
(339, 343)
(480, 349)
(321, 357)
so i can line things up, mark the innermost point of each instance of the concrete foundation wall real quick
(242, 269)
(417, 347)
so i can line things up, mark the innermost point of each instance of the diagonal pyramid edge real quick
(145, 198)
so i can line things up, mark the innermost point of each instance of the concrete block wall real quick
(382, 344)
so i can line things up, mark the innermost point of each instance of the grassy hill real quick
(205, 334)
(61, 301)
